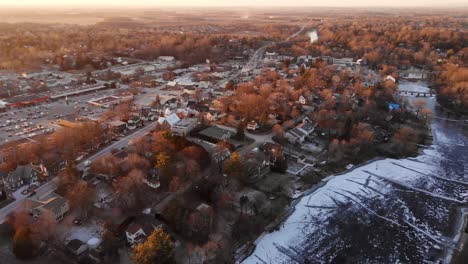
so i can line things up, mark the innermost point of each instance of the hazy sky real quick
(265, 3)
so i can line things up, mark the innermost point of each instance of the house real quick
(414, 73)
(137, 233)
(302, 100)
(134, 122)
(171, 84)
(56, 205)
(184, 127)
(166, 58)
(389, 77)
(25, 174)
(271, 55)
(117, 126)
(300, 132)
(252, 125)
(77, 246)
(153, 180)
(170, 120)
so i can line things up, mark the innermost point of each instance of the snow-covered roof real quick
(172, 83)
(172, 119)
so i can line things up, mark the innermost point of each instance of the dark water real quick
(389, 211)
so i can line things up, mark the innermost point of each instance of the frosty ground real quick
(389, 211)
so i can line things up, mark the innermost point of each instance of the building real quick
(117, 126)
(77, 246)
(137, 233)
(169, 120)
(252, 125)
(56, 205)
(184, 126)
(216, 133)
(108, 101)
(153, 180)
(414, 73)
(302, 100)
(389, 77)
(3, 105)
(25, 174)
(166, 58)
(300, 132)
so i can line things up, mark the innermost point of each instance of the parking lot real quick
(28, 122)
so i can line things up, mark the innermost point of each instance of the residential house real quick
(184, 127)
(302, 100)
(153, 180)
(252, 125)
(77, 247)
(25, 174)
(166, 58)
(414, 73)
(117, 126)
(300, 132)
(389, 77)
(56, 205)
(137, 233)
(169, 120)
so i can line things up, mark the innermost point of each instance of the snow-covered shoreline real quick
(386, 192)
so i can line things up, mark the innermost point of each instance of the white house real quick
(302, 100)
(171, 119)
(166, 58)
(300, 132)
(252, 125)
(389, 77)
(137, 233)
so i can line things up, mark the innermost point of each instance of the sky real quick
(262, 3)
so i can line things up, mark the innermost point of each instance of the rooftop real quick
(216, 133)
(75, 244)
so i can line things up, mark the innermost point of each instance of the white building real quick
(300, 132)
(166, 58)
(171, 119)
(137, 233)
(252, 125)
(302, 100)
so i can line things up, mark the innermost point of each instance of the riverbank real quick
(460, 254)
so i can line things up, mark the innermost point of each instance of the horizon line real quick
(441, 6)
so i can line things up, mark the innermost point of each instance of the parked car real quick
(87, 163)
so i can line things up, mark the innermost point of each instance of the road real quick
(50, 186)
(255, 59)
(258, 138)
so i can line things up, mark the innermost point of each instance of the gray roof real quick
(216, 133)
(75, 244)
(53, 204)
(21, 172)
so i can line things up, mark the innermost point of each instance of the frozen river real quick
(388, 211)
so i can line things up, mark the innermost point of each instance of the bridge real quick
(417, 94)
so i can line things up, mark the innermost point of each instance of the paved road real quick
(259, 139)
(50, 186)
(256, 58)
